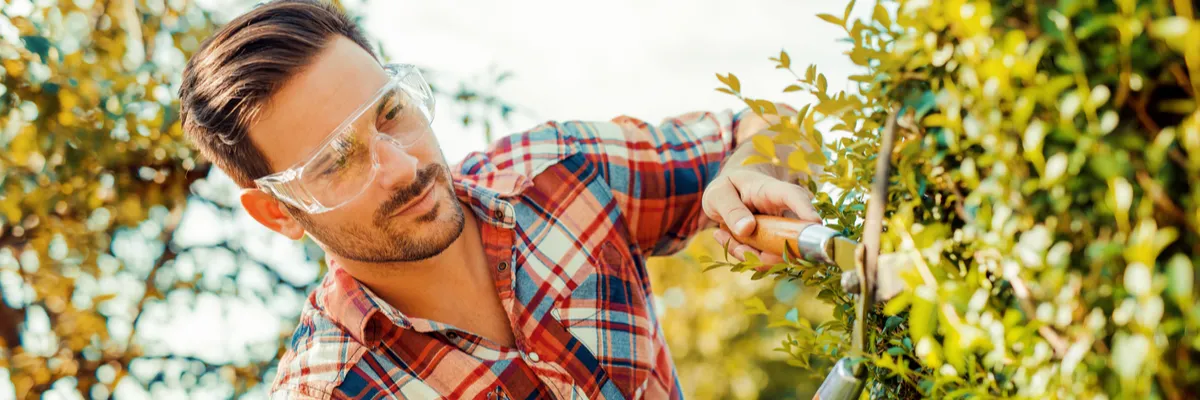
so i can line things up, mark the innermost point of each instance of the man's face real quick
(408, 212)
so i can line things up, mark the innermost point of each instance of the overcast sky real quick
(596, 60)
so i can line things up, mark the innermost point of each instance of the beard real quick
(384, 240)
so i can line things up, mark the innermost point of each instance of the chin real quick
(439, 227)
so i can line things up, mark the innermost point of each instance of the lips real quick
(420, 197)
(427, 179)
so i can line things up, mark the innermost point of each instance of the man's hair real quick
(236, 71)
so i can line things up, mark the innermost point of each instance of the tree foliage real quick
(1041, 190)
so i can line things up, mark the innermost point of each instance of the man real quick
(519, 273)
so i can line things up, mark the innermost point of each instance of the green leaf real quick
(38, 45)
(785, 62)
(832, 19)
(792, 88)
(895, 351)
(892, 323)
(810, 74)
(751, 259)
(1093, 25)
(821, 83)
(1181, 280)
(846, 12)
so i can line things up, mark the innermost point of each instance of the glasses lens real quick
(342, 170)
(402, 116)
(343, 167)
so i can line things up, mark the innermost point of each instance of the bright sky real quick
(648, 59)
(596, 60)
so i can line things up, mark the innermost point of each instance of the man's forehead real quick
(310, 105)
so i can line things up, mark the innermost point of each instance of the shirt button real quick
(534, 357)
(499, 214)
(503, 266)
(554, 313)
(452, 335)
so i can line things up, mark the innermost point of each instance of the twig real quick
(1139, 108)
(1181, 78)
(1161, 200)
(1022, 291)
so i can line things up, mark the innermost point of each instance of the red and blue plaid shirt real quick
(568, 213)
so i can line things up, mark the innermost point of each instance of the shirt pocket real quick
(608, 313)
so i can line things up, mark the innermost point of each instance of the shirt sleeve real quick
(658, 173)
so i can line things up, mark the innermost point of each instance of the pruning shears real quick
(862, 273)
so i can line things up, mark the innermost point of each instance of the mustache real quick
(425, 177)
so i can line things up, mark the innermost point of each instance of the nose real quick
(397, 167)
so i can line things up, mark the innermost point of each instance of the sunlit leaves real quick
(1053, 174)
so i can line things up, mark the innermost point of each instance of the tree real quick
(95, 182)
(1042, 191)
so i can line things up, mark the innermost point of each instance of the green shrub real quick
(1041, 186)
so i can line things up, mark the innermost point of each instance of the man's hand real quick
(739, 192)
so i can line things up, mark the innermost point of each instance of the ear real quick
(268, 212)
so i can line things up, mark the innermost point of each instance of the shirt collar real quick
(352, 305)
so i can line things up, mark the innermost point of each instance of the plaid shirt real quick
(568, 213)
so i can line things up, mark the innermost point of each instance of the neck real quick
(434, 286)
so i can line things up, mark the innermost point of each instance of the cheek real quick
(360, 210)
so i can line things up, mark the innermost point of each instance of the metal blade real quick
(843, 252)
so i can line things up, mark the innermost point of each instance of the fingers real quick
(726, 206)
(799, 201)
(736, 249)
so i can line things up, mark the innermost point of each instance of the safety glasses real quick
(345, 164)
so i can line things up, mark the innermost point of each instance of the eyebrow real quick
(393, 92)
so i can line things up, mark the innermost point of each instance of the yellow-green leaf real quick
(755, 159)
(797, 161)
(881, 15)
(816, 157)
(764, 146)
(831, 19)
(731, 80)
(933, 120)
(755, 306)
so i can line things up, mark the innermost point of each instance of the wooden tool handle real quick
(774, 235)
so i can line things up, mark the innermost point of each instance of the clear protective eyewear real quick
(345, 164)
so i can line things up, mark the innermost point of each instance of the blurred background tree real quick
(118, 246)
(1043, 191)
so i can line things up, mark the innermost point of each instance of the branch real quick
(1152, 128)
(1161, 200)
(1022, 292)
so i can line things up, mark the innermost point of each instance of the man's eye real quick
(389, 107)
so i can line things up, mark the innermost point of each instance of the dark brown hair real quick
(228, 81)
